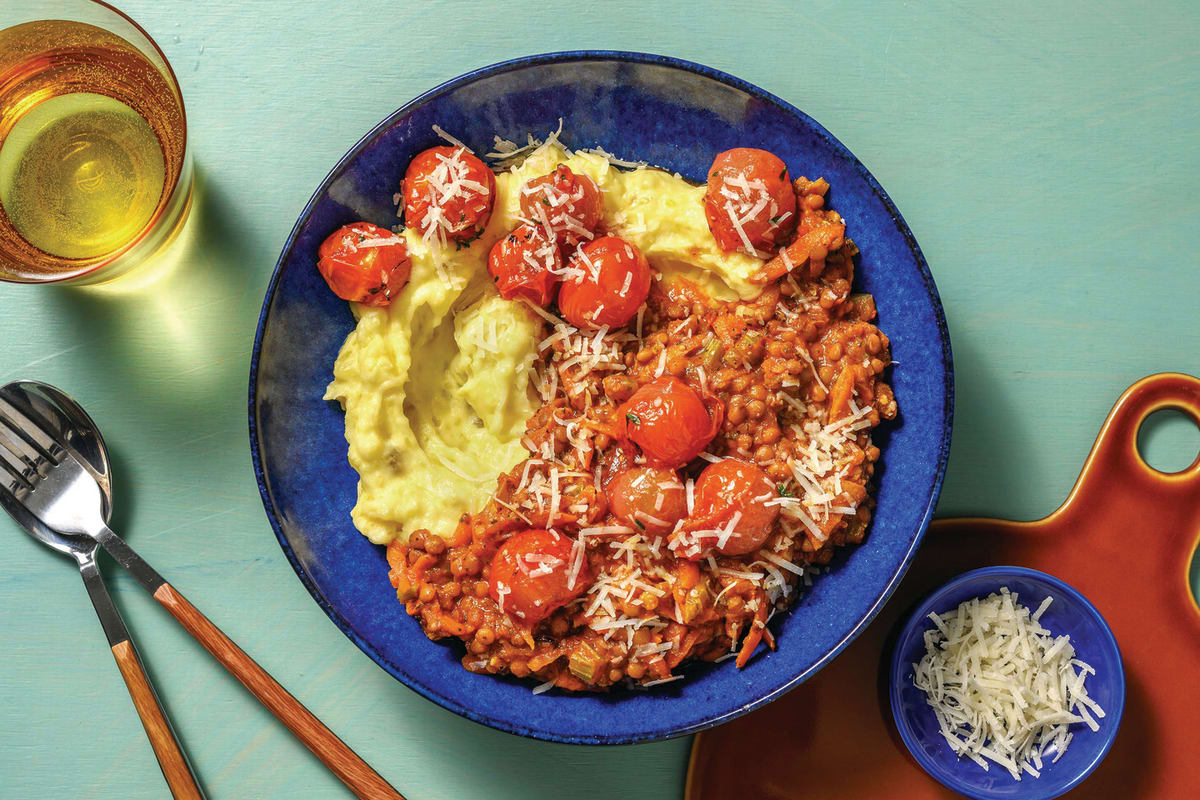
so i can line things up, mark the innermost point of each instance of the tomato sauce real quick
(689, 468)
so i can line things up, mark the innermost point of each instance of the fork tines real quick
(24, 446)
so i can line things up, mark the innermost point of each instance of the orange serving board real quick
(1124, 537)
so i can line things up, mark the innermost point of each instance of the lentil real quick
(749, 359)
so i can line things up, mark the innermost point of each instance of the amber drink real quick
(94, 169)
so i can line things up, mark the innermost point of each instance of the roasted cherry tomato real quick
(651, 500)
(530, 575)
(728, 487)
(750, 193)
(670, 421)
(567, 203)
(448, 194)
(526, 263)
(610, 283)
(364, 263)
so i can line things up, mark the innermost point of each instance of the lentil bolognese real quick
(690, 458)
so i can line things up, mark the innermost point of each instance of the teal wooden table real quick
(1047, 160)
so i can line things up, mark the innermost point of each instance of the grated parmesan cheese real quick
(662, 364)
(447, 137)
(648, 684)
(1003, 688)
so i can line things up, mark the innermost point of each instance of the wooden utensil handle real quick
(335, 754)
(162, 739)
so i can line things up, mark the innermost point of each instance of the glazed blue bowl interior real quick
(676, 115)
(1070, 613)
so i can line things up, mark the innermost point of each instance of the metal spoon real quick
(50, 484)
(73, 430)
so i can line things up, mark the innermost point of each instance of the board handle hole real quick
(1169, 440)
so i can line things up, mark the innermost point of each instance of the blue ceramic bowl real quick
(1070, 613)
(676, 115)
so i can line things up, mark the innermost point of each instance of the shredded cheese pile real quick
(1003, 687)
(744, 201)
(822, 460)
(448, 182)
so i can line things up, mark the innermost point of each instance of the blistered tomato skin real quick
(530, 573)
(648, 499)
(670, 421)
(524, 265)
(754, 187)
(364, 263)
(611, 281)
(567, 202)
(733, 486)
(449, 192)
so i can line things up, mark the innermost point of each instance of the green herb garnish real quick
(784, 491)
(633, 418)
(467, 242)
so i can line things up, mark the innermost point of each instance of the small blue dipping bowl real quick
(1070, 613)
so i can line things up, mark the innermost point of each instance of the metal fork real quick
(74, 430)
(56, 488)
(53, 486)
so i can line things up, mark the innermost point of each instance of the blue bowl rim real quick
(1112, 716)
(567, 56)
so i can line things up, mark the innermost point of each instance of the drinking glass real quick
(95, 172)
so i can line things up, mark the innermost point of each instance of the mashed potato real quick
(436, 386)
